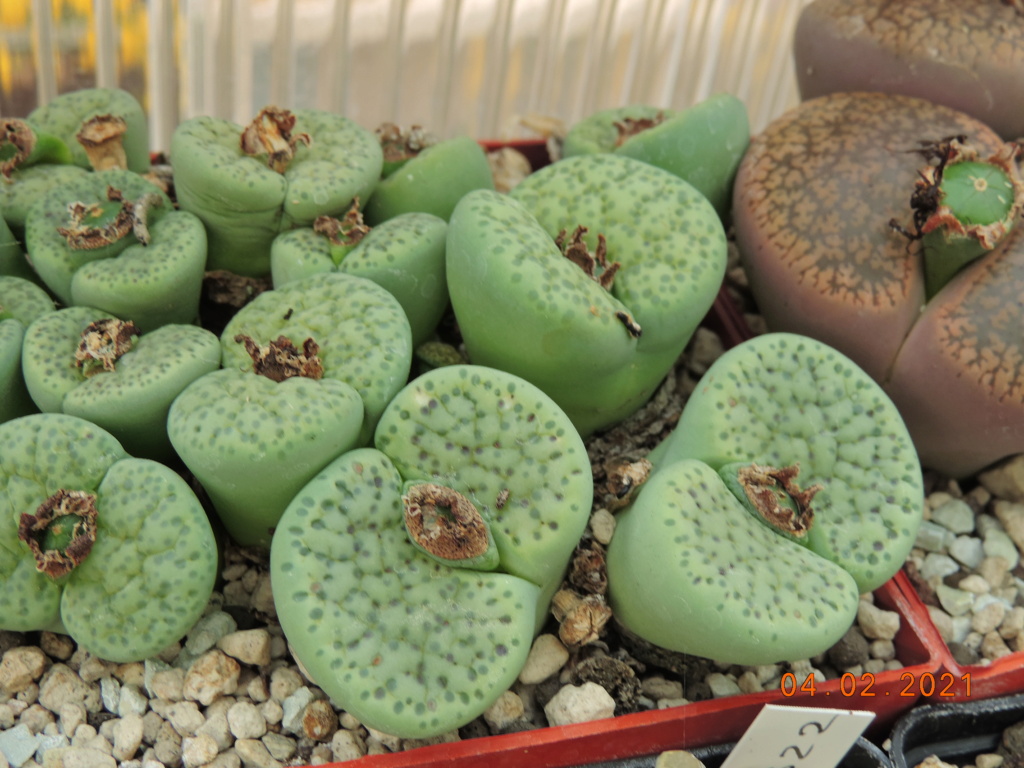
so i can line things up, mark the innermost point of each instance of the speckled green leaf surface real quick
(404, 255)
(410, 646)
(361, 330)
(130, 401)
(152, 285)
(64, 115)
(691, 570)
(253, 442)
(21, 302)
(245, 204)
(13, 262)
(523, 307)
(783, 399)
(153, 567)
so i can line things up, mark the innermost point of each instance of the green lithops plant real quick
(21, 302)
(404, 255)
(848, 226)
(587, 279)
(789, 487)
(383, 566)
(308, 370)
(112, 240)
(281, 171)
(424, 175)
(25, 187)
(87, 363)
(103, 128)
(702, 144)
(113, 550)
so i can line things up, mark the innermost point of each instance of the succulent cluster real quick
(396, 406)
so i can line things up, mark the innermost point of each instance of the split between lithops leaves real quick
(290, 169)
(702, 144)
(789, 486)
(540, 311)
(87, 363)
(112, 240)
(21, 302)
(308, 369)
(149, 571)
(410, 641)
(404, 255)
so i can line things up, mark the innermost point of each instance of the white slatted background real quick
(455, 66)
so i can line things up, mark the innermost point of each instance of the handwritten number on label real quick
(821, 728)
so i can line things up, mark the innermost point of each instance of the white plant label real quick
(798, 737)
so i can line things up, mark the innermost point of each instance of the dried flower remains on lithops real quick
(596, 326)
(412, 577)
(255, 432)
(889, 228)
(270, 134)
(789, 487)
(115, 551)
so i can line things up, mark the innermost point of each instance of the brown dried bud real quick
(445, 523)
(270, 133)
(280, 359)
(398, 145)
(774, 493)
(584, 621)
(102, 137)
(62, 531)
(628, 127)
(624, 479)
(587, 572)
(104, 341)
(18, 134)
(84, 234)
(346, 231)
(576, 251)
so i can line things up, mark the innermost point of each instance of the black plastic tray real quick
(955, 732)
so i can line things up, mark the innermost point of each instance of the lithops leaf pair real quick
(587, 280)
(113, 550)
(424, 175)
(404, 255)
(112, 240)
(966, 55)
(21, 302)
(410, 578)
(847, 223)
(701, 144)
(307, 371)
(87, 363)
(789, 487)
(103, 128)
(249, 184)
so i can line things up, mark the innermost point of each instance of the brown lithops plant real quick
(815, 203)
(966, 54)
